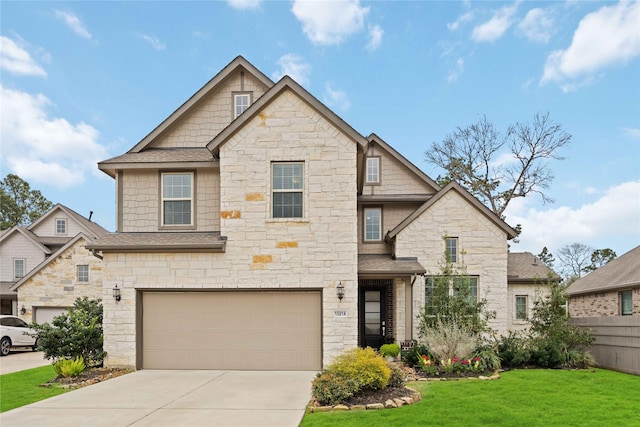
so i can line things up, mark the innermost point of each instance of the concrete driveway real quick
(176, 398)
(21, 360)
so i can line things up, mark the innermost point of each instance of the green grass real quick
(22, 388)
(593, 397)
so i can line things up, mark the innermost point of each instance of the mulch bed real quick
(377, 396)
(87, 377)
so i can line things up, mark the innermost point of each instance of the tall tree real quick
(574, 258)
(19, 204)
(546, 257)
(600, 257)
(471, 156)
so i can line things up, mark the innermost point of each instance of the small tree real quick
(552, 337)
(77, 333)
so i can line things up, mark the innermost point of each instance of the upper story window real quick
(626, 303)
(451, 249)
(521, 307)
(61, 226)
(177, 198)
(18, 268)
(373, 170)
(372, 224)
(287, 189)
(83, 273)
(438, 287)
(241, 102)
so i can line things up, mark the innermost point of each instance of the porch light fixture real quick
(116, 293)
(23, 310)
(340, 291)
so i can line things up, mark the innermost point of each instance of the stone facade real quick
(601, 304)
(57, 285)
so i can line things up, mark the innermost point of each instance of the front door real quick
(372, 317)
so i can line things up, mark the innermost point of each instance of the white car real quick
(13, 333)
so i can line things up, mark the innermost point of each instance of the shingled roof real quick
(622, 272)
(526, 267)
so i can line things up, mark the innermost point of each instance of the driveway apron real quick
(176, 398)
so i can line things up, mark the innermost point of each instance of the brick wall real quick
(601, 304)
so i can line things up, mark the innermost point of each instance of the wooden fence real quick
(617, 344)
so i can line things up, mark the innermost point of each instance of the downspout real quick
(95, 254)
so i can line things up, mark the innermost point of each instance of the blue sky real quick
(85, 81)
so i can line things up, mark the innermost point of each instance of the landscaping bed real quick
(87, 377)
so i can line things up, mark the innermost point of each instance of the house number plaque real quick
(339, 313)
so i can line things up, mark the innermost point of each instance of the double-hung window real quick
(177, 198)
(61, 226)
(287, 188)
(521, 307)
(83, 273)
(373, 170)
(626, 303)
(451, 249)
(372, 224)
(241, 102)
(439, 287)
(18, 268)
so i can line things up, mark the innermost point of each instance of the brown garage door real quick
(231, 330)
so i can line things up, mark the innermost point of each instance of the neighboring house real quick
(45, 266)
(527, 278)
(607, 301)
(258, 230)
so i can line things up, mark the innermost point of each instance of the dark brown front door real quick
(372, 317)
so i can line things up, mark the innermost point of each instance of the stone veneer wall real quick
(56, 285)
(483, 243)
(314, 252)
(601, 304)
(532, 291)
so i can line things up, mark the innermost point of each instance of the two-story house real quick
(258, 230)
(45, 266)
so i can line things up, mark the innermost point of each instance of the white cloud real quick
(495, 27)
(606, 37)
(537, 25)
(46, 150)
(375, 38)
(244, 4)
(329, 22)
(153, 41)
(335, 98)
(462, 19)
(457, 71)
(613, 217)
(293, 66)
(632, 132)
(74, 23)
(16, 60)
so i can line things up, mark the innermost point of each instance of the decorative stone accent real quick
(390, 404)
(286, 244)
(375, 406)
(341, 408)
(230, 214)
(399, 402)
(254, 197)
(262, 259)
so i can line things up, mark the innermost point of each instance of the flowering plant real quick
(427, 365)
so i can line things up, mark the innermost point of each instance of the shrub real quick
(390, 350)
(351, 372)
(364, 366)
(579, 359)
(69, 367)
(330, 388)
(397, 377)
(448, 339)
(513, 350)
(77, 333)
(411, 357)
(488, 356)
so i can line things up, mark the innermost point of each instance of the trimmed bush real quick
(397, 378)
(513, 350)
(390, 350)
(329, 388)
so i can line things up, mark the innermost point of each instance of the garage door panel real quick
(232, 330)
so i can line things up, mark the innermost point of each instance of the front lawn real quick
(22, 388)
(535, 397)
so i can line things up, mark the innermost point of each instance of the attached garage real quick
(258, 330)
(46, 314)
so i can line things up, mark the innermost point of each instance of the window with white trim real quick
(451, 249)
(18, 268)
(61, 226)
(177, 198)
(626, 303)
(372, 224)
(241, 102)
(83, 273)
(373, 170)
(521, 307)
(287, 188)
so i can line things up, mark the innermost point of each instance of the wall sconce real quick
(340, 291)
(116, 293)
(23, 310)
